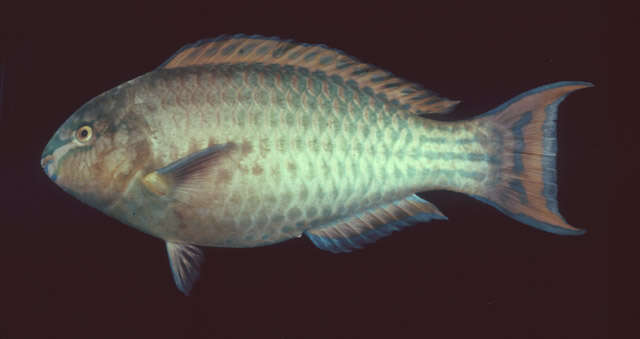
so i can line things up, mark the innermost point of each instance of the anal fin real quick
(367, 227)
(185, 260)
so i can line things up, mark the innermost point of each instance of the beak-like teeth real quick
(46, 164)
(46, 160)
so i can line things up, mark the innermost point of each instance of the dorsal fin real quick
(257, 49)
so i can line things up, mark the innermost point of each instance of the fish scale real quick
(247, 141)
(329, 134)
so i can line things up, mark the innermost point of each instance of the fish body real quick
(246, 141)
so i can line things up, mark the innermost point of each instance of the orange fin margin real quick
(526, 187)
(258, 49)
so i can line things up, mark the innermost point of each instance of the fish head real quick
(97, 151)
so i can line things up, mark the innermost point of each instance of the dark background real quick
(67, 271)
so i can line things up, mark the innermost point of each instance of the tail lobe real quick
(526, 187)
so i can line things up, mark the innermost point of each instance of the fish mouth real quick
(47, 164)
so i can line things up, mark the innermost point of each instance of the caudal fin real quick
(526, 183)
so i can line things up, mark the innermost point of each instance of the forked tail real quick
(526, 183)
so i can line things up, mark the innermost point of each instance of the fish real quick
(247, 141)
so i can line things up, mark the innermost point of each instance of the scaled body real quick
(249, 148)
(298, 161)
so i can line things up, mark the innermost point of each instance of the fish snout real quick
(47, 165)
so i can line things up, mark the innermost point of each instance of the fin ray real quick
(185, 261)
(526, 188)
(355, 232)
(186, 174)
(258, 49)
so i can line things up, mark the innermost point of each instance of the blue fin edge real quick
(347, 244)
(533, 91)
(527, 220)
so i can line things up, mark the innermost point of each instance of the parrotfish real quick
(245, 141)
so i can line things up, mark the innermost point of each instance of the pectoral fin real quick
(185, 260)
(187, 173)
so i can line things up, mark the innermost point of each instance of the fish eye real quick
(84, 134)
